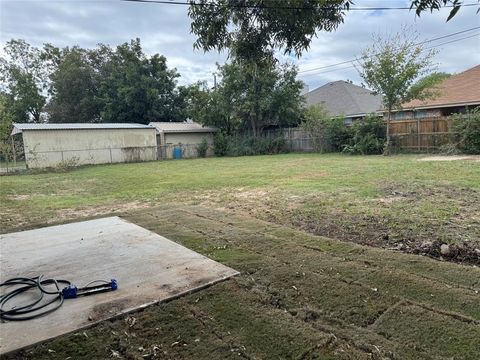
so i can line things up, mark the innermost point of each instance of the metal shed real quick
(51, 145)
(187, 135)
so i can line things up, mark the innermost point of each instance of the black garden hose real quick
(36, 307)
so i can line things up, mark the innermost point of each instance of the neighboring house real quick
(453, 95)
(188, 135)
(342, 98)
(51, 145)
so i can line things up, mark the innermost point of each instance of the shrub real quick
(369, 136)
(220, 144)
(326, 133)
(467, 131)
(449, 149)
(202, 148)
(337, 134)
(248, 145)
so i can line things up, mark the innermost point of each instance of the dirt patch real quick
(249, 194)
(18, 197)
(445, 215)
(461, 252)
(451, 158)
(99, 210)
(312, 176)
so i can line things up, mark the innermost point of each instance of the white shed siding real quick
(49, 148)
(187, 138)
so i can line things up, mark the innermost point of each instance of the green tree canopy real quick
(424, 5)
(251, 97)
(25, 78)
(137, 88)
(254, 29)
(427, 86)
(74, 87)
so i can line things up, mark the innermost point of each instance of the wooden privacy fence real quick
(412, 134)
(422, 134)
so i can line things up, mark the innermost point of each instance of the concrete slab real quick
(148, 267)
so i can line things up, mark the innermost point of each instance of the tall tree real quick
(253, 97)
(7, 146)
(25, 78)
(391, 66)
(74, 86)
(254, 29)
(136, 88)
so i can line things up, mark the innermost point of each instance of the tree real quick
(136, 88)
(424, 5)
(7, 146)
(427, 87)
(391, 66)
(254, 29)
(252, 97)
(24, 78)
(74, 87)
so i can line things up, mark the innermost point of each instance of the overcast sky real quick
(165, 29)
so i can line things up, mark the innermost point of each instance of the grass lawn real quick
(278, 219)
(19, 164)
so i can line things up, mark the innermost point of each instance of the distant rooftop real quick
(344, 98)
(459, 89)
(18, 128)
(175, 127)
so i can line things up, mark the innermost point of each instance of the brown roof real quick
(459, 89)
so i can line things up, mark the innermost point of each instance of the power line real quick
(358, 8)
(431, 47)
(420, 43)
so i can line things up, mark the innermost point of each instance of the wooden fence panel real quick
(421, 134)
(412, 134)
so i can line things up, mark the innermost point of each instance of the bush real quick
(449, 149)
(467, 131)
(202, 148)
(248, 145)
(337, 134)
(220, 144)
(369, 136)
(326, 134)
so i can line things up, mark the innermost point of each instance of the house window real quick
(420, 114)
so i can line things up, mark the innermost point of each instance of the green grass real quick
(374, 200)
(302, 293)
(298, 296)
(18, 164)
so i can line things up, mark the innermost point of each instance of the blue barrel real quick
(177, 152)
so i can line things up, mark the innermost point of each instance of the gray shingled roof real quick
(18, 128)
(175, 127)
(344, 98)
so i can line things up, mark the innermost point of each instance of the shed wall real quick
(49, 148)
(187, 138)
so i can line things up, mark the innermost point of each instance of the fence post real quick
(418, 134)
(111, 158)
(14, 152)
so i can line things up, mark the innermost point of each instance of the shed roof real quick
(344, 98)
(18, 128)
(181, 127)
(459, 89)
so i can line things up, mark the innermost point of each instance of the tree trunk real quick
(389, 117)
